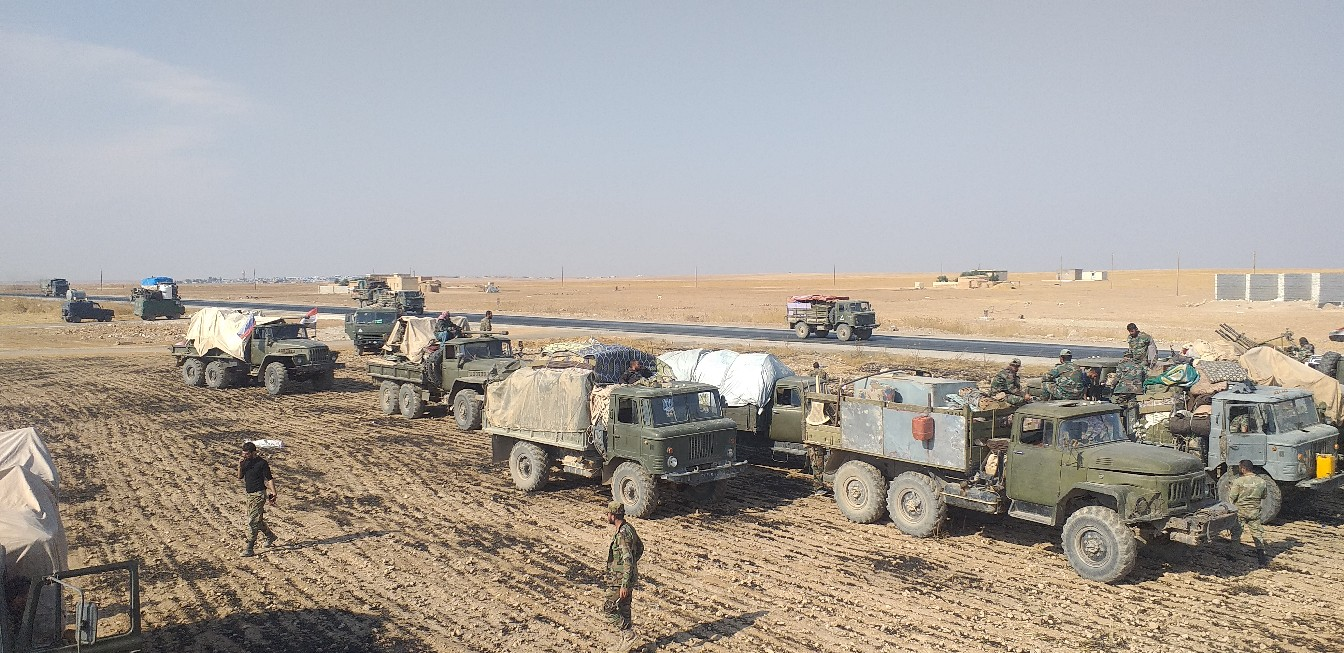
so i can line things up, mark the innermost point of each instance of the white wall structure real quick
(1318, 287)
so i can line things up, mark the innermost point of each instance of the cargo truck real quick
(225, 348)
(822, 314)
(369, 327)
(457, 373)
(157, 297)
(54, 287)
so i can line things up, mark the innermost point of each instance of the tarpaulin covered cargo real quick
(1268, 366)
(742, 379)
(409, 337)
(611, 361)
(550, 400)
(23, 448)
(680, 365)
(30, 525)
(807, 299)
(220, 328)
(155, 282)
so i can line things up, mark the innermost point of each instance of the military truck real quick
(226, 348)
(368, 327)
(76, 308)
(54, 287)
(821, 314)
(456, 374)
(157, 297)
(23, 631)
(375, 292)
(1065, 464)
(633, 437)
(778, 426)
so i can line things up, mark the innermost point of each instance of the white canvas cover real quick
(553, 400)
(218, 328)
(742, 379)
(30, 526)
(409, 337)
(1268, 366)
(680, 365)
(23, 448)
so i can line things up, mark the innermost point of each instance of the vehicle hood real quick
(1309, 435)
(499, 365)
(298, 344)
(1136, 458)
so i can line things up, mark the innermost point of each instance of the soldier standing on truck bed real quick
(622, 573)
(1246, 493)
(1006, 381)
(1129, 378)
(485, 325)
(1141, 347)
(1066, 380)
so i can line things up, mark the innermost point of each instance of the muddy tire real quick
(707, 493)
(863, 334)
(467, 410)
(529, 466)
(1099, 545)
(276, 378)
(216, 375)
(860, 492)
(1269, 506)
(844, 333)
(1329, 364)
(324, 380)
(802, 330)
(193, 372)
(387, 398)
(408, 400)
(915, 504)
(634, 487)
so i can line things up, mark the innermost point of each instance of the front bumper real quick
(1200, 527)
(314, 368)
(1327, 483)
(724, 471)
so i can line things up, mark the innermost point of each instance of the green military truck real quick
(822, 314)
(77, 308)
(456, 374)
(778, 426)
(368, 327)
(54, 287)
(633, 437)
(1065, 464)
(226, 348)
(376, 292)
(157, 297)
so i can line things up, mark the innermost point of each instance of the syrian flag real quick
(310, 318)
(246, 331)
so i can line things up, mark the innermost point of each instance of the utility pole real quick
(562, 275)
(1252, 261)
(1178, 274)
(1110, 276)
(697, 276)
(100, 277)
(832, 275)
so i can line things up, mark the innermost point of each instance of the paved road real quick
(919, 343)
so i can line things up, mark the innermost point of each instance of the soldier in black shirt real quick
(256, 475)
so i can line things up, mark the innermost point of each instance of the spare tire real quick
(1329, 363)
(1199, 425)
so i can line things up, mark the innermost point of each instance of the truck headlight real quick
(672, 462)
(300, 359)
(730, 452)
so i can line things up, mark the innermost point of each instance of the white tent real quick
(30, 525)
(23, 448)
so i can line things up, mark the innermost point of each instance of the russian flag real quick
(310, 318)
(246, 331)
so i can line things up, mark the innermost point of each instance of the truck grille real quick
(1181, 492)
(702, 446)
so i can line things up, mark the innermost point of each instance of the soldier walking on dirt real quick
(1246, 493)
(622, 574)
(260, 487)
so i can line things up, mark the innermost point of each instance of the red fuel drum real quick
(922, 427)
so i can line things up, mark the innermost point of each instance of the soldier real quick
(255, 473)
(485, 322)
(1066, 380)
(1129, 379)
(622, 573)
(1246, 494)
(821, 374)
(816, 463)
(1243, 423)
(1006, 381)
(1303, 351)
(1141, 347)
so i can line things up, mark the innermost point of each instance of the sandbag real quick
(23, 448)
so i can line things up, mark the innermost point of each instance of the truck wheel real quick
(276, 378)
(107, 318)
(387, 398)
(467, 410)
(859, 492)
(708, 493)
(408, 398)
(324, 380)
(844, 332)
(193, 372)
(863, 334)
(216, 375)
(915, 504)
(1269, 506)
(1329, 364)
(1099, 546)
(633, 486)
(803, 329)
(529, 466)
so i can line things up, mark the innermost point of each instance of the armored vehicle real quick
(54, 287)
(369, 327)
(225, 348)
(634, 438)
(1066, 464)
(456, 373)
(157, 297)
(821, 314)
(77, 308)
(376, 292)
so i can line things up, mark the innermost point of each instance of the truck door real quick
(1245, 433)
(626, 432)
(786, 414)
(1034, 462)
(256, 346)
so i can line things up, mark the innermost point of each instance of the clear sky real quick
(622, 138)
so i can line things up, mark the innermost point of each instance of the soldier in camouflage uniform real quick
(1066, 380)
(1302, 351)
(622, 573)
(1129, 378)
(1246, 494)
(1243, 423)
(816, 463)
(1141, 347)
(1006, 381)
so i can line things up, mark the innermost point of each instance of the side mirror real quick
(86, 622)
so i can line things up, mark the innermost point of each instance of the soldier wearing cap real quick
(622, 573)
(1006, 381)
(1066, 380)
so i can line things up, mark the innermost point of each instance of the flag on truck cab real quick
(310, 318)
(246, 331)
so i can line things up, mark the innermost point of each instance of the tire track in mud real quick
(407, 526)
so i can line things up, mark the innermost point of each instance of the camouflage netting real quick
(612, 360)
(541, 399)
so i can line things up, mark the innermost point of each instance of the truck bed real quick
(573, 440)
(880, 428)
(402, 371)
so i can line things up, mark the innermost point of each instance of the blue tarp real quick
(152, 282)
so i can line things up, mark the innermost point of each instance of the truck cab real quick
(821, 314)
(779, 427)
(458, 375)
(369, 326)
(55, 287)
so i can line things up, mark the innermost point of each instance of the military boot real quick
(624, 642)
(248, 552)
(1261, 558)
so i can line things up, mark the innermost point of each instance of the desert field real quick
(401, 535)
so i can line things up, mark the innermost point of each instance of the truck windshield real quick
(1091, 430)
(860, 307)
(287, 331)
(683, 408)
(1296, 414)
(376, 317)
(486, 349)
